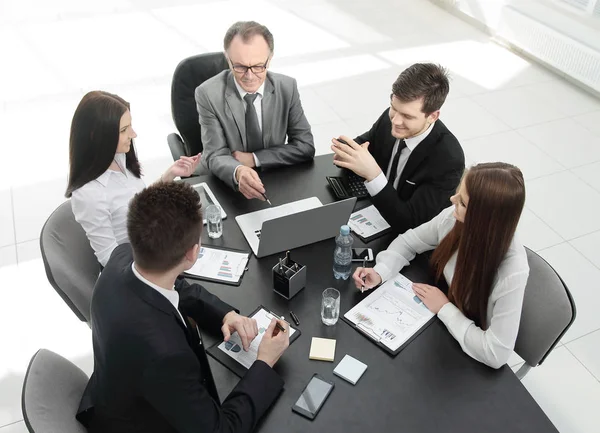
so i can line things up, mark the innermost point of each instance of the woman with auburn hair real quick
(478, 254)
(104, 172)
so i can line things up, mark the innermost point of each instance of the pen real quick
(267, 199)
(281, 328)
(362, 288)
(295, 318)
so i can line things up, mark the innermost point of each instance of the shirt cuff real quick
(235, 182)
(383, 271)
(375, 186)
(256, 161)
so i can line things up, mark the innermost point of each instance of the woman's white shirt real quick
(494, 345)
(101, 205)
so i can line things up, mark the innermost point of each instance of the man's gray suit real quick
(223, 127)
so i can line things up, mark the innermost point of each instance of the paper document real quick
(367, 222)
(234, 349)
(219, 264)
(391, 314)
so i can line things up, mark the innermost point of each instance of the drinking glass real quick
(330, 306)
(214, 221)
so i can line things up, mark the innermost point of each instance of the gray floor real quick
(345, 55)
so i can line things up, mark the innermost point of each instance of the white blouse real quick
(101, 205)
(494, 345)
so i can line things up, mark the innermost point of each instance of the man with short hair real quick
(410, 161)
(246, 113)
(151, 372)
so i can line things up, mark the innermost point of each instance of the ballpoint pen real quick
(362, 288)
(281, 328)
(267, 199)
(295, 318)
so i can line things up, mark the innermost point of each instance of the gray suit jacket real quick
(223, 124)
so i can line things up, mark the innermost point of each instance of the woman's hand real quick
(183, 167)
(432, 297)
(366, 278)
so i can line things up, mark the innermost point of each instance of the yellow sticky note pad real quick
(322, 349)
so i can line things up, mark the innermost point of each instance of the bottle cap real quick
(344, 230)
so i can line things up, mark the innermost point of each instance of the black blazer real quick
(430, 176)
(151, 373)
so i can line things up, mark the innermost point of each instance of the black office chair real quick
(188, 75)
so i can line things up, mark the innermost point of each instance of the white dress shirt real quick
(257, 106)
(101, 205)
(172, 295)
(375, 186)
(494, 345)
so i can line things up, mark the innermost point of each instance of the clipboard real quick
(376, 341)
(365, 218)
(391, 311)
(232, 364)
(216, 279)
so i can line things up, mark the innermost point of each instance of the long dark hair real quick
(496, 198)
(95, 137)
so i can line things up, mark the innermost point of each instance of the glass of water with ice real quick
(214, 221)
(330, 307)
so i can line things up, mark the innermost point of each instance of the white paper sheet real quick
(367, 222)
(219, 264)
(391, 314)
(234, 349)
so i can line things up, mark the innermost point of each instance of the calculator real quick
(349, 185)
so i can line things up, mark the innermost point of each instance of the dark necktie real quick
(394, 170)
(253, 133)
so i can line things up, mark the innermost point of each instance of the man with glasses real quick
(247, 113)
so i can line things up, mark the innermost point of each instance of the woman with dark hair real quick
(104, 172)
(478, 254)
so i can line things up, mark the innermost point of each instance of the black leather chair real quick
(188, 75)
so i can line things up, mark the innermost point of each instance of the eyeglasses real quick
(256, 69)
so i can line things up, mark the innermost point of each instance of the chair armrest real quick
(176, 146)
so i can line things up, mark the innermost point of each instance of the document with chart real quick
(391, 315)
(233, 356)
(368, 223)
(219, 265)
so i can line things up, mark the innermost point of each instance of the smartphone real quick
(313, 396)
(360, 254)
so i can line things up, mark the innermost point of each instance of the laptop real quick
(294, 224)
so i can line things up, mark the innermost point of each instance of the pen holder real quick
(288, 278)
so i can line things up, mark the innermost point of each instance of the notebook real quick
(322, 349)
(350, 369)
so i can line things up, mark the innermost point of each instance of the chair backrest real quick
(51, 394)
(188, 75)
(548, 312)
(71, 266)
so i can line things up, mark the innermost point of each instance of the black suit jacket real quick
(431, 174)
(151, 373)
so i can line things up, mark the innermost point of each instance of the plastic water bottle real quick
(342, 255)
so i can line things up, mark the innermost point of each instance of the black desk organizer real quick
(289, 277)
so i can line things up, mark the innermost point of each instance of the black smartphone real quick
(313, 396)
(360, 254)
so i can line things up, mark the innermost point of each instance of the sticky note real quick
(322, 349)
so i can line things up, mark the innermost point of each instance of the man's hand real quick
(355, 157)
(244, 158)
(249, 183)
(274, 343)
(245, 327)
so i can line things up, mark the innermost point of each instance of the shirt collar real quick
(171, 295)
(242, 92)
(120, 159)
(413, 142)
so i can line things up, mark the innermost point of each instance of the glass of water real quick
(214, 221)
(330, 307)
